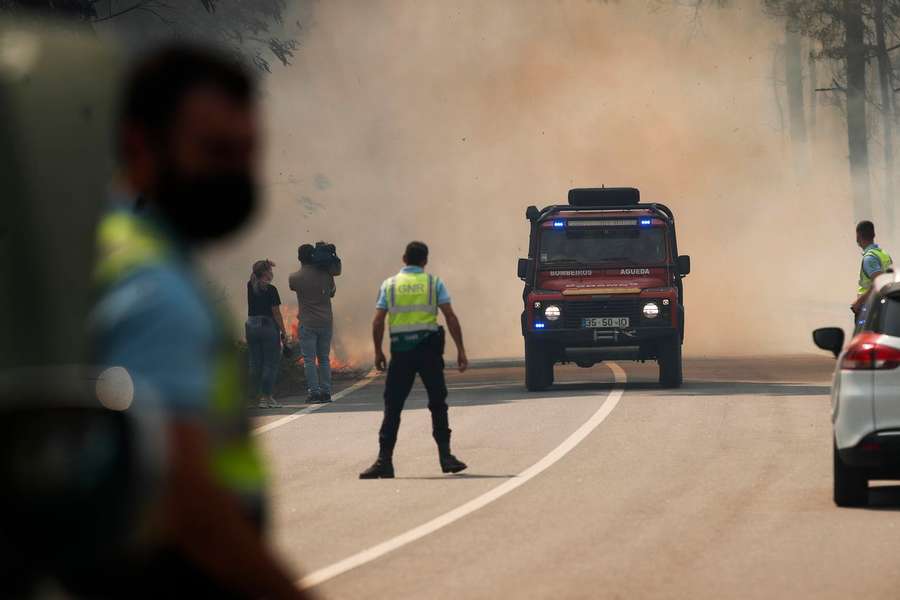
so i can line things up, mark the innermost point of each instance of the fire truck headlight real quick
(651, 310)
(552, 312)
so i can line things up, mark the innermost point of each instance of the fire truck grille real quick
(575, 311)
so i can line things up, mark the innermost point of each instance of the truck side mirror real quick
(684, 265)
(829, 338)
(524, 268)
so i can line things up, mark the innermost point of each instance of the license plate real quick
(605, 322)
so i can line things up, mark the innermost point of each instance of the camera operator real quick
(314, 284)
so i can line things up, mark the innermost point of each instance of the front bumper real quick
(589, 345)
(879, 451)
(576, 338)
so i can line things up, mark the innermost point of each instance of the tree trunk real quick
(887, 111)
(855, 51)
(776, 90)
(813, 69)
(813, 99)
(793, 63)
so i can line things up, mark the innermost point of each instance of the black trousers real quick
(427, 361)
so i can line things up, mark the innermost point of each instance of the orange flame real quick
(337, 363)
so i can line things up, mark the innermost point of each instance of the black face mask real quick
(205, 208)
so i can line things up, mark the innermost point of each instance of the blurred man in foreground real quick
(188, 142)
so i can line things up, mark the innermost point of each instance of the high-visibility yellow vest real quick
(865, 282)
(128, 243)
(412, 307)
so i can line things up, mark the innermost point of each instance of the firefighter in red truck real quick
(603, 281)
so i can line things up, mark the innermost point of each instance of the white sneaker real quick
(263, 403)
(273, 403)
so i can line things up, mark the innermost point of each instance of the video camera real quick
(324, 256)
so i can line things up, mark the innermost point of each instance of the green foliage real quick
(78, 9)
(247, 28)
(823, 20)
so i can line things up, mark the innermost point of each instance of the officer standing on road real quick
(875, 261)
(409, 301)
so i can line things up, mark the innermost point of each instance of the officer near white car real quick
(875, 261)
(409, 302)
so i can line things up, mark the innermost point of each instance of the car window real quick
(885, 317)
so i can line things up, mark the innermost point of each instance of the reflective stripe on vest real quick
(236, 464)
(127, 243)
(412, 302)
(865, 282)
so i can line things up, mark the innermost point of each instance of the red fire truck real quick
(603, 281)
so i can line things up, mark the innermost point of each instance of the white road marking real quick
(480, 386)
(379, 550)
(314, 407)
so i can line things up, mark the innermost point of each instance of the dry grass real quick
(291, 377)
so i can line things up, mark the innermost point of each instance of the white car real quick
(865, 395)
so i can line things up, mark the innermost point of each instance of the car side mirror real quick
(829, 338)
(524, 268)
(532, 213)
(684, 265)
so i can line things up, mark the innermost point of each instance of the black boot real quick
(382, 468)
(449, 463)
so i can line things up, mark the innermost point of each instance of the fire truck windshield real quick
(631, 245)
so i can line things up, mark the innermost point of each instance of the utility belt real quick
(419, 340)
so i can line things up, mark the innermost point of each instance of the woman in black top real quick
(264, 328)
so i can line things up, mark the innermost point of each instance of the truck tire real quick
(669, 359)
(538, 368)
(851, 487)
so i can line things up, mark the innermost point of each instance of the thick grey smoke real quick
(442, 121)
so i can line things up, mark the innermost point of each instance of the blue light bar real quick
(646, 222)
(540, 325)
(559, 224)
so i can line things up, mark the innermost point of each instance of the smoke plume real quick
(443, 121)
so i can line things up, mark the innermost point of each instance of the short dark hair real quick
(158, 83)
(416, 254)
(866, 229)
(305, 253)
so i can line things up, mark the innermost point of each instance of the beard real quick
(205, 208)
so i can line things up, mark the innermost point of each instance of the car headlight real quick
(651, 310)
(552, 312)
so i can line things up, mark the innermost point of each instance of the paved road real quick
(721, 489)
